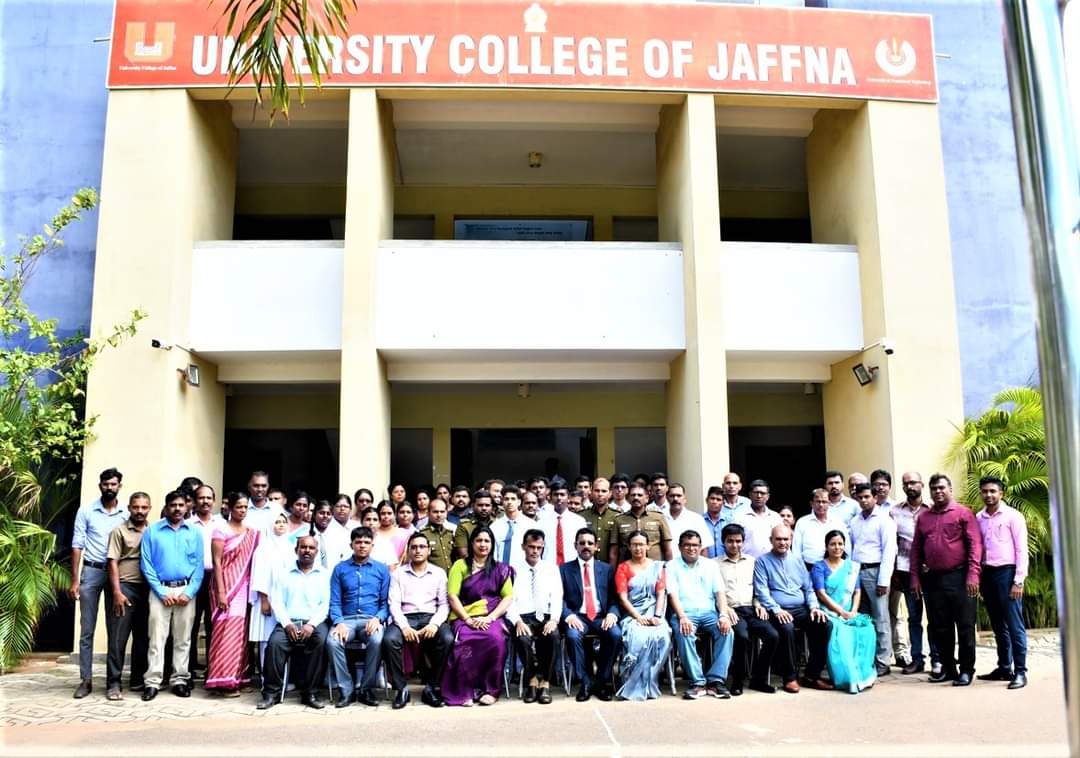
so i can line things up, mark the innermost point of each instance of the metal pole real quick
(1046, 149)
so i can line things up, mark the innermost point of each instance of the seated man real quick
(698, 603)
(419, 609)
(782, 586)
(358, 609)
(588, 590)
(535, 615)
(300, 600)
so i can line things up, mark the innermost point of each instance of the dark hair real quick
(986, 480)
(363, 491)
(406, 504)
(583, 530)
(363, 514)
(581, 478)
(361, 531)
(538, 480)
(880, 473)
(259, 472)
(657, 477)
(385, 504)
(689, 534)
(760, 483)
(731, 530)
(831, 473)
(395, 485)
(861, 487)
(190, 484)
(938, 477)
(489, 564)
(521, 484)
(342, 496)
(620, 478)
(110, 473)
(322, 504)
(173, 495)
(299, 495)
(673, 485)
(412, 537)
(577, 493)
(641, 476)
(533, 534)
(233, 497)
(638, 533)
(511, 489)
(272, 490)
(481, 493)
(835, 533)
(442, 486)
(714, 490)
(559, 485)
(460, 488)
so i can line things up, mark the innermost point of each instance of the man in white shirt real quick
(758, 521)
(204, 519)
(620, 490)
(810, 530)
(842, 508)
(873, 547)
(681, 519)
(658, 491)
(535, 615)
(559, 525)
(261, 511)
(509, 528)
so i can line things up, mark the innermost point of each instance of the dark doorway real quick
(509, 454)
(790, 458)
(294, 459)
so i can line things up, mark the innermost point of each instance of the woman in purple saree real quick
(479, 591)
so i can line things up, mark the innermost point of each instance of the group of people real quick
(468, 588)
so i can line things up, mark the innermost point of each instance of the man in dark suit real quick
(588, 591)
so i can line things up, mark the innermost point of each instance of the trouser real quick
(914, 605)
(750, 626)
(135, 623)
(722, 646)
(817, 636)
(877, 606)
(203, 613)
(1006, 617)
(952, 618)
(898, 627)
(93, 582)
(609, 642)
(163, 620)
(279, 650)
(537, 651)
(372, 654)
(435, 650)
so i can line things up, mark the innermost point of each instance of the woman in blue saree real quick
(853, 639)
(646, 636)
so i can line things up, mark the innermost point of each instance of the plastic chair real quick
(354, 649)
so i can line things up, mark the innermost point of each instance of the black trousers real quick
(537, 652)
(749, 628)
(951, 617)
(203, 612)
(309, 656)
(817, 636)
(433, 652)
(134, 624)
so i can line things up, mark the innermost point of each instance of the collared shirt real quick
(511, 533)
(300, 596)
(873, 540)
(170, 555)
(359, 589)
(688, 519)
(93, 525)
(783, 582)
(695, 586)
(905, 515)
(411, 592)
(441, 540)
(945, 540)
(261, 518)
(455, 518)
(549, 523)
(808, 542)
(1005, 541)
(726, 516)
(844, 509)
(334, 545)
(758, 526)
(465, 529)
(662, 508)
(585, 587)
(603, 524)
(537, 590)
(124, 543)
(623, 507)
(207, 531)
(653, 524)
(738, 577)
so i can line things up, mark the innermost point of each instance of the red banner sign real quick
(591, 45)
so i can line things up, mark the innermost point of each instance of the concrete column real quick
(876, 180)
(369, 217)
(605, 451)
(440, 455)
(688, 207)
(168, 179)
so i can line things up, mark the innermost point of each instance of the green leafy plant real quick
(43, 430)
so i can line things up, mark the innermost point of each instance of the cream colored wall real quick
(292, 411)
(773, 408)
(876, 179)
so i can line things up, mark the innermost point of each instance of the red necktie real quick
(590, 604)
(560, 557)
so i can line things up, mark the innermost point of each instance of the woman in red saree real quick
(233, 547)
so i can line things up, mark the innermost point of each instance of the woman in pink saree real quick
(233, 547)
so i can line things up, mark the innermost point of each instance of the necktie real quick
(535, 600)
(590, 604)
(560, 558)
(508, 541)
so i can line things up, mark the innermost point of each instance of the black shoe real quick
(997, 675)
(149, 693)
(530, 694)
(761, 687)
(366, 697)
(432, 698)
(266, 701)
(583, 694)
(544, 697)
(963, 680)
(181, 690)
(136, 686)
(312, 700)
(735, 689)
(902, 663)
(402, 698)
(1018, 681)
(942, 676)
(605, 694)
(85, 687)
(342, 700)
(883, 670)
(913, 668)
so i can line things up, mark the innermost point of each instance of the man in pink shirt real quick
(946, 553)
(1004, 568)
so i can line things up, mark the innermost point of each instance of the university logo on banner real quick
(895, 57)
(139, 49)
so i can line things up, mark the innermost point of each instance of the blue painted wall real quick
(52, 118)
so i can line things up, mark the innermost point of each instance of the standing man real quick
(620, 492)
(459, 504)
(948, 543)
(881, 482)
(538, 485)
(359, 607)
(750, 619)
(589, 590)
(638, 517)
(584, 485)
(171, 558)
(440, 535)
(696, 592)
(1004, 568)
(530, 505)
(535, 614)
(601, 516)
(733, 501)
(658, 489)
(419, 609)
(810, 530)
(204, 520)
(129, 614)
(559, 525)
(758, 520)
(873, 547)
(717, 515)
(843, 508)
(299, 600)
(481, 515)
(510, 527)
(94, 523)
(680, 519)
(905, 515)
(261, 511)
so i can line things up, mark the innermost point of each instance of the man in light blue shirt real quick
(94, 523)
(300, 602)
(873, 549)
(171, 559)
(699, 604)
(782, 586)
(842, 508)
(810, 530)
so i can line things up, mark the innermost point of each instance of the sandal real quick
(113, 694)
(486, 699)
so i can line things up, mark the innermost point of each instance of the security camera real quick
(155, 343)
(889, 346)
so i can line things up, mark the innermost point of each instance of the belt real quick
(870, 565)
(175, 583)
(95, 564)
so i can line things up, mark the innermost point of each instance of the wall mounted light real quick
(864, 374)
(190, 375)
(523, 390)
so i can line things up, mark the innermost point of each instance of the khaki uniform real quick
(653, 524)
(441, 539)
(125, 542)
(603, 525)
(464, 529)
